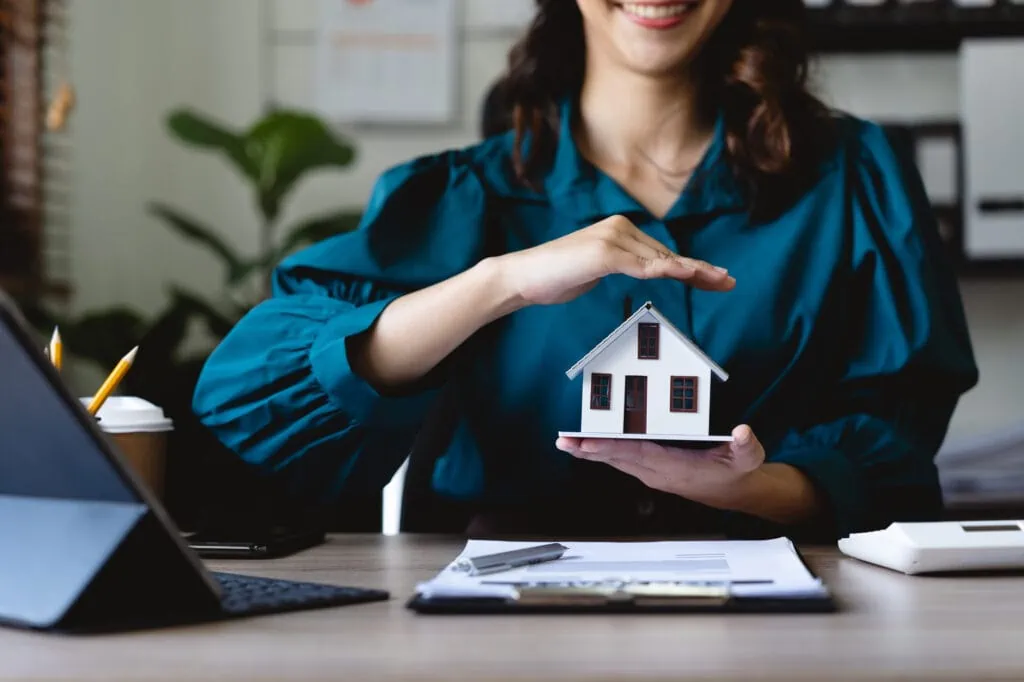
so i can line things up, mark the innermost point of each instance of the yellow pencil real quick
(56, 349)
(112, 381)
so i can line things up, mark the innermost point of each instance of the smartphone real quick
(272, 543)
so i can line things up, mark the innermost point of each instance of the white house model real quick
(646, 380)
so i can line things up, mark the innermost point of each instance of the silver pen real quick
(506, 561)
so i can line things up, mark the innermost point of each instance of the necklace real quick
(674, 180)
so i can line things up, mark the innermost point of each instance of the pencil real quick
(112, 381)
(56, 349)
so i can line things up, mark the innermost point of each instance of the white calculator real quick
(941, 547)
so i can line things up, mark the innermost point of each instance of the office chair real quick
(422, 509)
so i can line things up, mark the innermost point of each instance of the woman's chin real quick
(662, 36)
(654, 60)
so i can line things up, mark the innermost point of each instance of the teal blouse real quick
(844, 338)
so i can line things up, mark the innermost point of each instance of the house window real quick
(601, 392)
(647, 337)
(684, 394)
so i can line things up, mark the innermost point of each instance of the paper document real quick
(758, 568)
(388, 61)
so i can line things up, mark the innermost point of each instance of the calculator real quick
(941, 547)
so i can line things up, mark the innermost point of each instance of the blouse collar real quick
(590, 194)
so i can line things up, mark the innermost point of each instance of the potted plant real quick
(274, 154)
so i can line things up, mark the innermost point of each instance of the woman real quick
(663, 151)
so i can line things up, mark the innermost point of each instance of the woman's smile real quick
(657, 15)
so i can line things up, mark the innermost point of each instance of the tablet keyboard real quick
(243, 595)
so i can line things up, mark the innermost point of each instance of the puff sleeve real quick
(279, 389)
(904, 358)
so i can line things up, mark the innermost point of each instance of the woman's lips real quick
(661, 15)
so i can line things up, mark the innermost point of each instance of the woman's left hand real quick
(721, 477)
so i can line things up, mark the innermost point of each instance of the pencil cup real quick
(139, 430)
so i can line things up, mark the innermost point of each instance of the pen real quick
(112, 381)
(56, 349)
(506, 561)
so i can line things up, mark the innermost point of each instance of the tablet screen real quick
(45, 450)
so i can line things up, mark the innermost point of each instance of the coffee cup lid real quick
(128, 414)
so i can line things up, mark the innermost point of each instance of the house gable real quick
(632, 322)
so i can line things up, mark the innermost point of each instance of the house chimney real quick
(627, 308)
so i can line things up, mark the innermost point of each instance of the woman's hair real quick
(752, 70)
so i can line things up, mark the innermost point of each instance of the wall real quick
(927, 87)
(483, 48)
(134, 61)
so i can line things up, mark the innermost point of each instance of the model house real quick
(647, 380)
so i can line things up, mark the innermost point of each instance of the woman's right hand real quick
(564, 269)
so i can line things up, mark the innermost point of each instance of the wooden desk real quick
(891, 627)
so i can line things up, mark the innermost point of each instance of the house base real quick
(686, 442)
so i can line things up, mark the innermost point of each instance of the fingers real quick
(644, 454)
(598, 448)
(644, 257)
(646, 476)
(646, 239)
(625, 227)
(709, 277)
(663, 251)
(640, 262)
(747, 452)
(626, 456)
(652, 248)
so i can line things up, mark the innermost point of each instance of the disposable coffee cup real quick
(139, 430)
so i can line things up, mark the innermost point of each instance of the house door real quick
(635, 420)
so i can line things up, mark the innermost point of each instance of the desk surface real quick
(891, 627)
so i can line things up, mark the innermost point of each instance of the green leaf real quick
(277, 151)
(216, 322)
(190, 229)
(319, 228)
(204, 133)
(104, 336)
(165, 335)
(284, 146)
(310, 232)
(244, 269)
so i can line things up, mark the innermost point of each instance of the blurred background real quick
(160, 157)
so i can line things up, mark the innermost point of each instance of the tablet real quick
(269, 543)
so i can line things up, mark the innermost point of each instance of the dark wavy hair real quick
(753, 70)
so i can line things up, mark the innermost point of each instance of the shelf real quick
(896, 28)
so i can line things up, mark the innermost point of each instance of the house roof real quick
(647, 308)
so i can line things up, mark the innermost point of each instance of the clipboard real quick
(627, 598)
